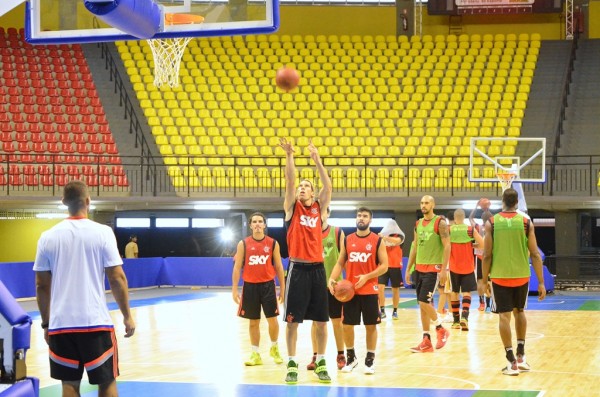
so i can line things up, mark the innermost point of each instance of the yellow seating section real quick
(374, 101)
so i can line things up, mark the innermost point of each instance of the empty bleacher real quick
(52, 125)
(380, 104)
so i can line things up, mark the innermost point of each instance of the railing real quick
(145, 155)
(577, 271)
(230, 177)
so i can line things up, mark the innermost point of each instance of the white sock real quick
(273, 343)
(320, 357)
(255, 349)
(292, 358)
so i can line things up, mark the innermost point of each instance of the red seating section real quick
(50, 115)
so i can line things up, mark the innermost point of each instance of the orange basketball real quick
(485, 203)
(344, 291)
(287, 78)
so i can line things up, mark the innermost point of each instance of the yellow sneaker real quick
(275, 354)
(254, 360)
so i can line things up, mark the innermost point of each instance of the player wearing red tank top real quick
(306, 283)
(364, 256)
(259, 258)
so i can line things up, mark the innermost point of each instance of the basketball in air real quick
(287, 78)
(344, 291)
(485, 203)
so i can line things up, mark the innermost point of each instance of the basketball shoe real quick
(442, 337)
(292, 373)
(522, 364)
(369, 366)
(455, 326)
(321, 371)
(511, 369)
(254, 360)
(464, 324)
(350, 364)
(313, 363)
(275, 354)
(341, 361)
(424, 347)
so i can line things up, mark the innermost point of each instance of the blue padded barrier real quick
(148, 272)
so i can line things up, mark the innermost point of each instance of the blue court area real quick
(162, 389)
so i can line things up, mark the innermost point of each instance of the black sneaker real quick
(292, 373)
(321, 372)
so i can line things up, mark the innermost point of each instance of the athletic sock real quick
(466, 306)
(510, 355)
(520, 347)
(455, 309)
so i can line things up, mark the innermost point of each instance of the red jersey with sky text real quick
(362, 259)
(258, 260)
(304, 236)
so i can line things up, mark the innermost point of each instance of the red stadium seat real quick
(44, 169)
(107, 180)
(15, 180)
(122, 181)
(73, 170)
(92, 181)
(31, 180)
(88, 170)
(47, 180)
(117, 170)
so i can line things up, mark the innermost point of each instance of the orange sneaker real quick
(313, 364)
(481, 306)
(341, 361)
(442, 337)
(424, 347)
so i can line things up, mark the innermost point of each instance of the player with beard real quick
(365, 258)
(429, 256)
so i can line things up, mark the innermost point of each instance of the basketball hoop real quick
(506, 179)
(167, 53)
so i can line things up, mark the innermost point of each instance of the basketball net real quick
(506, 179)
(167, 59)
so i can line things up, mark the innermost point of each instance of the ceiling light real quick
(223, 207)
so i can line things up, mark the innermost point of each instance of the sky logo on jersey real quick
(359, 257)
(306, 220)
(258, 259)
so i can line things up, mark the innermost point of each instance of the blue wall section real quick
(19, 278)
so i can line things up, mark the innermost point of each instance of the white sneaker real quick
(511, 369)
(370, 370)
(522, 364)
(448, 318)
(350, 365)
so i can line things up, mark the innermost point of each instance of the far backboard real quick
(525, 157)
(68, 21)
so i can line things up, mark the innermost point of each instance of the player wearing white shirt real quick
(71, 261)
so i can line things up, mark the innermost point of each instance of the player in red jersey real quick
(259, 258)
(365, 258)
(306, 284)
(393, 237)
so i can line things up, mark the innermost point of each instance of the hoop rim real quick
(506, 175)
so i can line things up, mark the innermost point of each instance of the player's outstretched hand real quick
(286, 146)
(314, 153)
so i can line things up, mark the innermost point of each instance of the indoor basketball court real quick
(190, 342)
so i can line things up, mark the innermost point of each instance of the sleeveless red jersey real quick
(258, 260)
(362, 259)
(394, 254)
(304, 236)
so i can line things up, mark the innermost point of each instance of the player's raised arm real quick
(325, 193)
(290, 178)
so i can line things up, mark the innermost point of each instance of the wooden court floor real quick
(190, 342)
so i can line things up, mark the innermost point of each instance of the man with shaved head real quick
(462, 268)
(429, 256)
